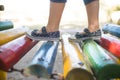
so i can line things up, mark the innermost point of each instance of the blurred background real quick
(28, 12)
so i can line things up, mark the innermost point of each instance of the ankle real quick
(51, 29)
(93, 28)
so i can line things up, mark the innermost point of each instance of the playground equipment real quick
(88, 62)
(75, 68)
(11, 34)
(111, 43)
(13, 51)
(103, 66)
(112, 29)
(43, 61)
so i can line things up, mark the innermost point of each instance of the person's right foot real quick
(44, 35)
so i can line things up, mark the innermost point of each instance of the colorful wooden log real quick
(111, 43)
(43, 61)
(3, 75)
(9, 35)
(112, 29)
(103, 66)
(75, 68)
(12, 52)
(4, 25)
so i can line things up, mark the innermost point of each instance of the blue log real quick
(112, 29)
(43, 61)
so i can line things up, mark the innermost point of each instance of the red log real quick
(111, 43)
(13, 51)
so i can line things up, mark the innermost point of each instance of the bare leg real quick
(92, 8)
(56, 10)
(93, 14)
(52, 27)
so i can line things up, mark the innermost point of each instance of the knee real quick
(59, 1)
(89, 1)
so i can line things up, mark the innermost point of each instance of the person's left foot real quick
(88, 34)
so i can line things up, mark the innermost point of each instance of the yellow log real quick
(75, 67)
(11, 34)
(3, 75)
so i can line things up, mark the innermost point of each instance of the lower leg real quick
(56, 10)
(92, 9)
(52, 28)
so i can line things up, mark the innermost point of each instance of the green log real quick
(103, 66)
(5, 25)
